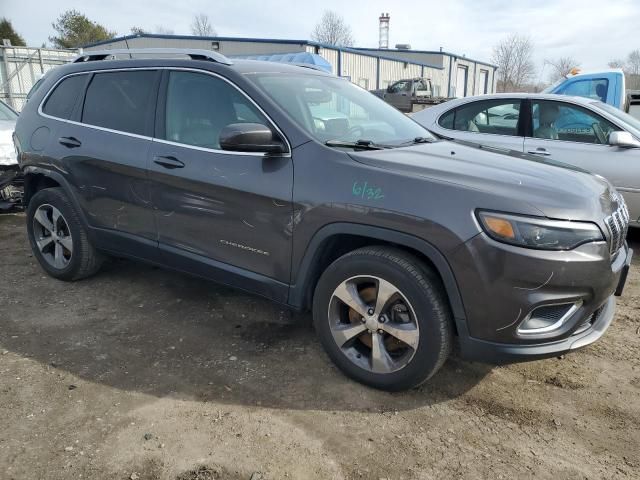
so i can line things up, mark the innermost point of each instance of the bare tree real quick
(514, 58)
(138, 31)
(561, 67)
(202, 27)
(332, 30)
(633, 63)
(616, 63)
(633, 70)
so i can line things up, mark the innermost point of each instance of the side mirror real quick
(249, 137)
(390, 89)
(623, 140)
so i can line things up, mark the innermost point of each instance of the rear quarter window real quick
(446, 120)
(64, 96)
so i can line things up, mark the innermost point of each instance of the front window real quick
(589, 88)
(570, 123)
(199, 106)
(331, 109)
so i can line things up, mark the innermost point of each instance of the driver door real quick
(217, 209)
(579, 137)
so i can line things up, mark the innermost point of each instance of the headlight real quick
(539, 233)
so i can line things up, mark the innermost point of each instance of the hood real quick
(556, 190)
(7, 150)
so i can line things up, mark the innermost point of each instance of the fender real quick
(60, 180)
(298, 290)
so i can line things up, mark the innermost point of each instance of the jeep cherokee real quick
(301, 187)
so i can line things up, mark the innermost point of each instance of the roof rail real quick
(194, 54)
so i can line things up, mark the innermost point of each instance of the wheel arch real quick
(36, 179)
(337, 239)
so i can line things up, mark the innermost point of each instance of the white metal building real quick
(452, 75)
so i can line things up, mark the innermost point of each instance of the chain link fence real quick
(21, 67)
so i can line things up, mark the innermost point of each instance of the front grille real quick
(617, 223)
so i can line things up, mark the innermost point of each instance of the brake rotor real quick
(368, 296)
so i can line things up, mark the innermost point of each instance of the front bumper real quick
(501, 284)
(502, 353)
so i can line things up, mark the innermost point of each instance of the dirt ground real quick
(140, 373)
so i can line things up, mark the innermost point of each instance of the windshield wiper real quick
(422, 140)
(358, 144)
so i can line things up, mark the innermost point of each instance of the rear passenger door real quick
(218, 210)
(488, 122)
(104, 147)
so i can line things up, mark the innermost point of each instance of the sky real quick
(591, 31)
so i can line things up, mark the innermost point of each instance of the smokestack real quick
(384, 30)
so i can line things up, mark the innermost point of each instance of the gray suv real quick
(303, 188)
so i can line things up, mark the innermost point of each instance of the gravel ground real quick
(140, 373)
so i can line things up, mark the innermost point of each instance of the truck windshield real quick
(334, 109)
(633, 124)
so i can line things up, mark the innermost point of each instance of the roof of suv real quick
(172, 57)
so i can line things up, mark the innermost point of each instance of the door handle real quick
(168, 162)
(540, 151)
(69, 142)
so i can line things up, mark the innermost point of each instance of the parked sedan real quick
(575, 130)
(10, 190)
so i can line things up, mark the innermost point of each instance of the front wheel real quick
(383, 318)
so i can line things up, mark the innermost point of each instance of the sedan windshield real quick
(334, 110)
(6, 113)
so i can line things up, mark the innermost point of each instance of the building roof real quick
(360, 51)
(432, 52)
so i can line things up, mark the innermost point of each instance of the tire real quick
(78, 258)
(418, 312)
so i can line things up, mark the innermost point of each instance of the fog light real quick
(548, 318)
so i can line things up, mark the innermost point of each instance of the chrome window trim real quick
(162, 140)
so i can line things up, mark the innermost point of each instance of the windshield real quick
(6, 113)
(632, 123)
(331, 109)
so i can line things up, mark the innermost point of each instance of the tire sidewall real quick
(55, 197)
(429, 306)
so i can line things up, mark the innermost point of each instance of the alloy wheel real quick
(373, 324)
(52, 236)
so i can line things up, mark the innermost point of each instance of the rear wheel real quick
(58, 239)
(383, 318)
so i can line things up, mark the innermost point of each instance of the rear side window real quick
(496, 117)
(63, 98)
(121, 101)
